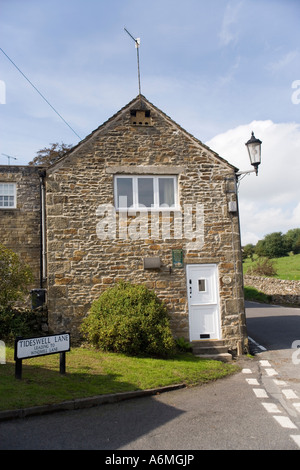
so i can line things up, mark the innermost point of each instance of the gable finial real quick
(137, 46)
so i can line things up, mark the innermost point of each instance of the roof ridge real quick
(94, 131)
(143, 99)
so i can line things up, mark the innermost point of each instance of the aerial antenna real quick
(9, 157)
(137, 46)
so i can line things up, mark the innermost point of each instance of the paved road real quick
(258, 408)
(273, 326)
(224, 415)
(276, 332)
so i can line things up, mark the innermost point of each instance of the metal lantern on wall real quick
(254, 150)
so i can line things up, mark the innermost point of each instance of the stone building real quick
(20, 214)
(138, 199)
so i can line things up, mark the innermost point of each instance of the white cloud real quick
(283, 62)
(270, 201)
(228, 31)
(257, 221)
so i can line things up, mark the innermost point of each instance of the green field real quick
(287, 267)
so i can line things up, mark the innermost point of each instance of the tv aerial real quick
(9, 157)
(137, 46)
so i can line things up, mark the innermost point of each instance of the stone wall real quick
(20, 227)
(281, 291)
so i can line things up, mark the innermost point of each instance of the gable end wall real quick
(81, 266)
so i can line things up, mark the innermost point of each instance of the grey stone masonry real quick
(80, 192)
(282, 291)
(20, 226)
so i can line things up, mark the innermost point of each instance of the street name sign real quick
(41, 346)
(26, 348)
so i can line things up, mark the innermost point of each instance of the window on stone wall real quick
(146, 192)
(8, 196)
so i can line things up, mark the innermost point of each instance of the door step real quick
(211, 349)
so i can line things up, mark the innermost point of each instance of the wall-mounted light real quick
(254, 150)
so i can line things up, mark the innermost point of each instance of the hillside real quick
(287, 267)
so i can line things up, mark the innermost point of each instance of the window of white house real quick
(148, 192)
(8, 196)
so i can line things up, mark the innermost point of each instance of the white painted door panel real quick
(203, 295)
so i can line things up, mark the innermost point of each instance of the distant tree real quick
(292, 240)
(248, 251)
(260, 248)
(272, 246)
(48, 156)
(296, 249)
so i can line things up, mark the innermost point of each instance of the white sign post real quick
(26, 348)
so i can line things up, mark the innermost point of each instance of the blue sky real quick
(220, 69)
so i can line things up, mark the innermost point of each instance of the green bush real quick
(183, 346)
(263, 267)
(130, 319)
(15, 277)
(18, 322)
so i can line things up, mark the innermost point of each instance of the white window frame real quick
(155, 206)
(14, 206)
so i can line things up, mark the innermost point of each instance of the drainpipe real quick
(42, 174)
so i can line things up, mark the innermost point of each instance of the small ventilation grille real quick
(140, 118)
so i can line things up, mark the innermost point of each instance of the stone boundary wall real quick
(281, 290)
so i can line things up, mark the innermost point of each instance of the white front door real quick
(203, 300)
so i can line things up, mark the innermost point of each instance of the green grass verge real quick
(90, 373)
(288, 267)
(255, 295)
